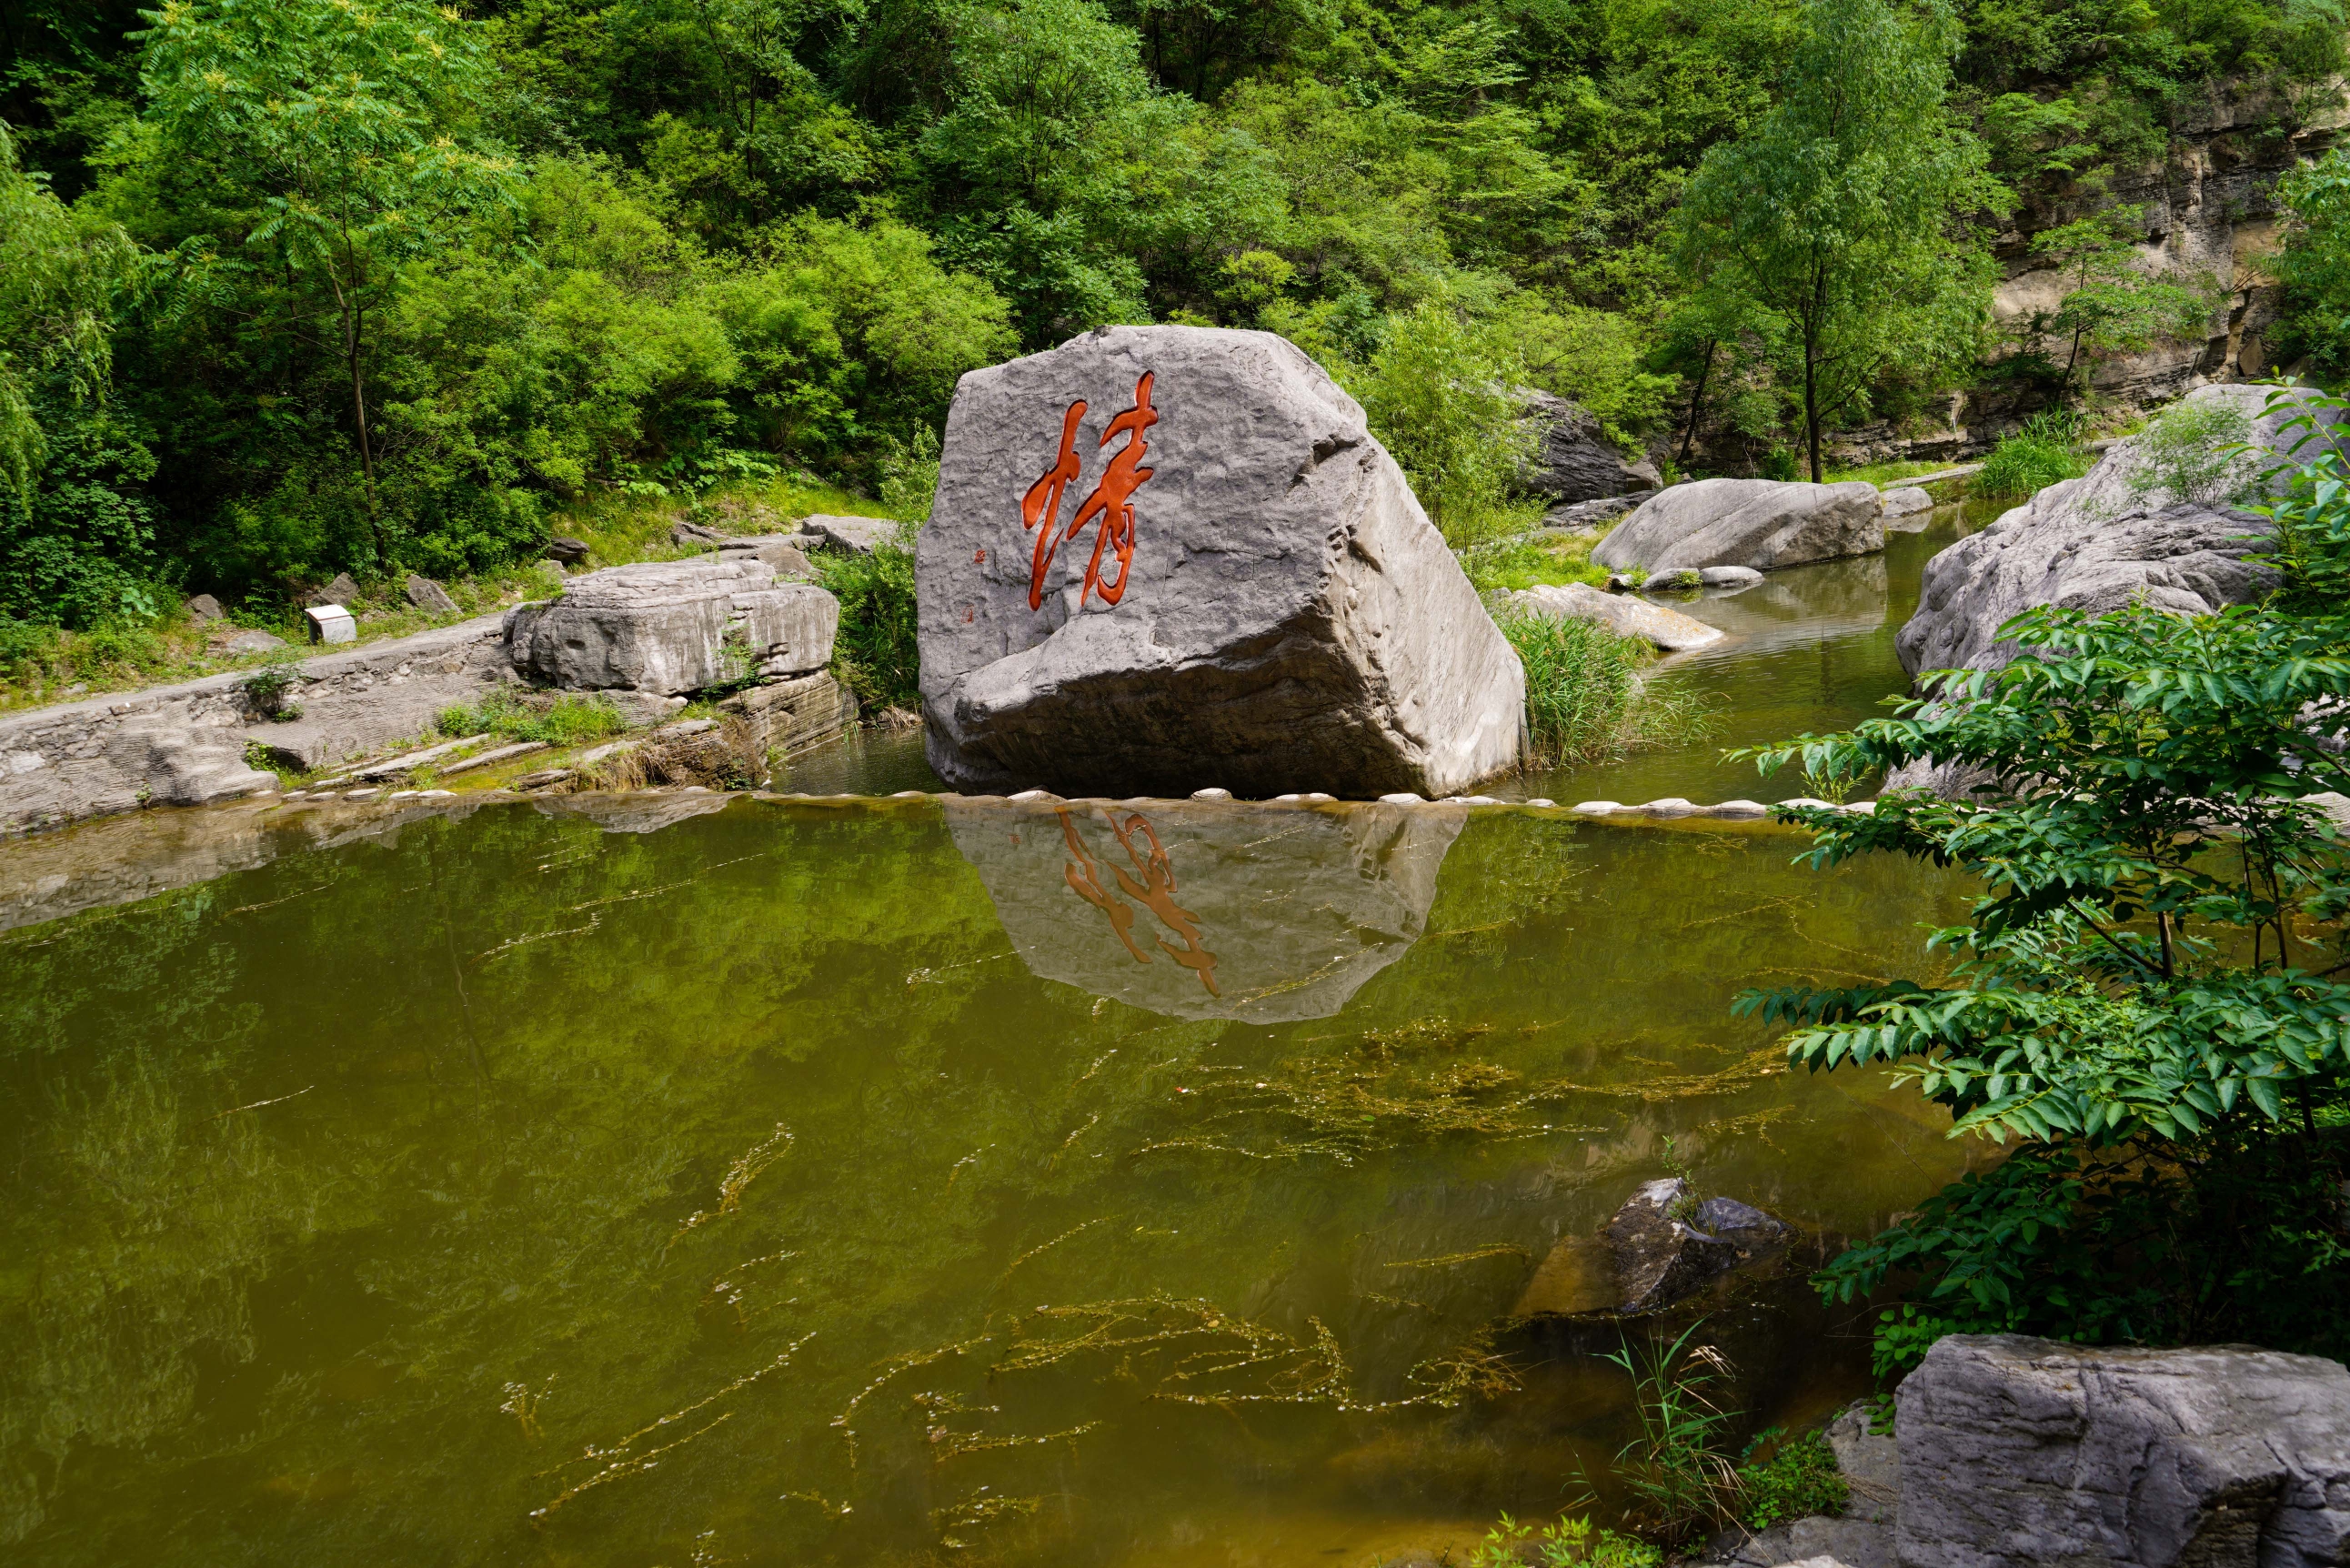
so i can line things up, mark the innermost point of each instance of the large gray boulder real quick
(1267, 914)
(2018, 1451)
(1262, 604)
(1758, 523)
(2101, 541)
(1571, 461)
(675, 627)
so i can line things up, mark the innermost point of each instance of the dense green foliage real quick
(309, 285)
(2147, 994)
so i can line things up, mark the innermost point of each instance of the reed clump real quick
(1588, 698)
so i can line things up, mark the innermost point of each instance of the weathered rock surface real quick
(1658, 624)
(1660, 1258)
(248, 641)
(1222, 909)
(1233, 586)
(567, 552)
(781, 551)
(1680, 579)
(203, 608)
(856, 536)
(1758, 523)
(1907, 502)
(1573, 461)
(675, 627)
(1587, 517)
(430, 597)
(343, 590)
(2018, 1451)
(2097, 544)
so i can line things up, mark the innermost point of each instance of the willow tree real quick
(1841, 216)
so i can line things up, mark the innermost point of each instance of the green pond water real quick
(672, 1179)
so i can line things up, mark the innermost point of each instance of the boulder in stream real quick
(1759, 522)
(2100, 542)
(1165, 557)
(2017, 1451)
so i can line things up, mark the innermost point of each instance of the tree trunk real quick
(1812, 402)
(1697, 400)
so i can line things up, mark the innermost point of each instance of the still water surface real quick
(672, 1180)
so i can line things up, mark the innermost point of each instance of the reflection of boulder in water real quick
(1264, 913)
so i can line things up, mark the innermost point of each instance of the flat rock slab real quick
(2017, 1451)
(856, 536)
(1164, 557)
(1211, 909)
(1661, 625)
(1758, 523)
(675, 627)
(1909, 500)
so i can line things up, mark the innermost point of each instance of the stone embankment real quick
(641, 638)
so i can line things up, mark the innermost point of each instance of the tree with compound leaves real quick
(316, 142)
(2149, 997)
(1843, 214)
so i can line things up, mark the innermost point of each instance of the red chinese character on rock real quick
(1111, 504)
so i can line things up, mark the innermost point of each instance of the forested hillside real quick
(294, 286)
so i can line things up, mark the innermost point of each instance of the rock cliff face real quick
(2211, 215)
(2098, 543)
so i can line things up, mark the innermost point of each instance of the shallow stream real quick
(672, 1179)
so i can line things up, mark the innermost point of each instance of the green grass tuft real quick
(1586, 697)
(1798, 1480)
(567, 721)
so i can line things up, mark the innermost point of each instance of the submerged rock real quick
(1665, 628)
(2017, 1451)
(1758, 523)
(1214, 909)
(675, 627)
(1168, 556)
(1661, 1256)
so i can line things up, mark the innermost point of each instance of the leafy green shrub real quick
(25, 646)
(1798, 1479)
(266, 688)
(117, 647)
(1562, 1544)
(1437, 394)
(1585, 695)
(2148, 998)
(2195, 451)
(2045, 451)
(875, 655)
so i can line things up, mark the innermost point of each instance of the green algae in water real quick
(802, 1184)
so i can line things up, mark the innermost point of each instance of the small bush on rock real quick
(876, 657)
(1799, 1478)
